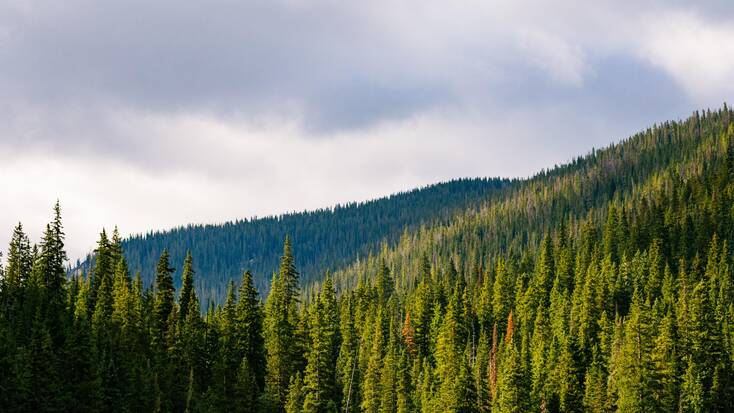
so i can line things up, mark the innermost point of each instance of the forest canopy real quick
(602, 285)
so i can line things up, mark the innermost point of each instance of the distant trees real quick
(325, 238)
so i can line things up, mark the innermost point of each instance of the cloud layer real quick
(155, 114)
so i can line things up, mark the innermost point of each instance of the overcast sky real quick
(152, 114)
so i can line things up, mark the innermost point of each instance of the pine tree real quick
(122, 296)
(294, 402)
(288, 272)
(187, 288)
(83, 384)
(163, 306)
(539, 356)
(103, 307)
(46, 392)
(347, 359)
(320, 378)
(247, 388)
(664, 380)
(480, 372)
(281, 321)
(503, 294)
(404, 386)
(570, 376)
(51, 277)
(371, 389)
(115, 248)
(701, 348)
(484, 308)
(423, 310)
(103, 267)
(230, 354)
(388, 397)
(635, 364)
(512, 391)
(384, 283)
(250, 325)
(17, 271)
(449, 351)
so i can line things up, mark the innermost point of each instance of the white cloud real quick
(561, 59)
(698, 53)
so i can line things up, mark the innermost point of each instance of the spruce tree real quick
(122, 296)
(294, 401)
(281, 322)
(348, 373)
(103, 267)
(187, 288)
(163, 305)
(17, 269)
(371, 385)
(250, 330)
(247, 388)
(51, 277)
(503, 294)
(512, 391)
(316, 384)
(388, 381)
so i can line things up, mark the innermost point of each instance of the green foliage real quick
(320, 377)
(281, 322)
(325, 239)
(603, 285)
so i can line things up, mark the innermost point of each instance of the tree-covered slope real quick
(604, 285)
(649, 182)
(324, 239)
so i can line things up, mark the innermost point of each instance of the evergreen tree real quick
(512, 392)
(17, 270)
(348, 373)
(320, 378)
(503, 294)
(122, 296)
(163, 306)
(187, 288)
(247, 388)
(371, 385)
(51, 277)
(281, 321)
(384, 283)
(250, 327)
(638, 233)
(388, 397)
(103, 267)
(635, 363)
(294, 402)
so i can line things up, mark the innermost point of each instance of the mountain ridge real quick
(325, 238)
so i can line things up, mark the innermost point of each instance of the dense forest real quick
(602, 285)
(325, 238)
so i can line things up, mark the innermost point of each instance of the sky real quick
(154, 114)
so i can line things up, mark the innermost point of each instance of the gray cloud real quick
(233, 58)
(259, 107)
(337, 65)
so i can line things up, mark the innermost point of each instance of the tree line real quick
(325, 238)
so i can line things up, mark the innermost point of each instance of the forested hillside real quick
(325, 238)
(603, 285)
